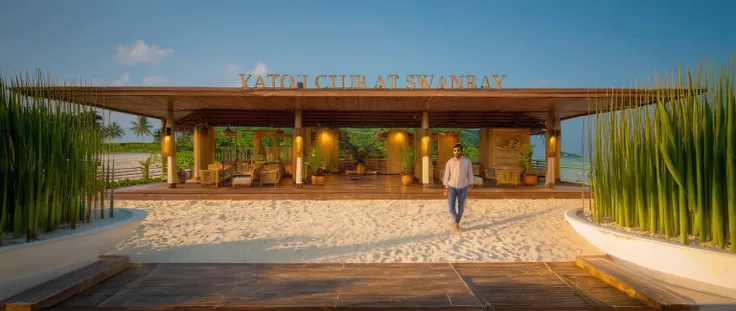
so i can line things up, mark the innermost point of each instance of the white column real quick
(298, 139)
(171, 160)
(425, 157)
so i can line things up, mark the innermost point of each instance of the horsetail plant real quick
(51, 150)
(664, 161)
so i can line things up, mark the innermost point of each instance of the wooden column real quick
(426, 149)
(171, 131)
(204, 148)
(552, 149)
(197, 150)
(298, 150)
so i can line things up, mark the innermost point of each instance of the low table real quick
(242, 180)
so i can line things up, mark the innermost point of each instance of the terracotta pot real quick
(318, 180)
(407, 180)
(530, 180)
(360, 168)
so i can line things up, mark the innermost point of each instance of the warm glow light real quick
(167, 146)
(426, 143)
(298, 145)
(552, 151)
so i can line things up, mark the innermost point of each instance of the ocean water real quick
(573, 168)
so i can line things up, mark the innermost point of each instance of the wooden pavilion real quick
(506, 117)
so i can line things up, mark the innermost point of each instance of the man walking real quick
(457, 180)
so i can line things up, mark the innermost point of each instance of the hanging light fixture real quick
(229, 133)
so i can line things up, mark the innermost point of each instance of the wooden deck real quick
(339, 187)
(338, 286)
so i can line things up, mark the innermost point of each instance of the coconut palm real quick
(114, 131)
(141, 127)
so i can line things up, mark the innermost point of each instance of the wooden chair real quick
(271, 174)
(211, 176)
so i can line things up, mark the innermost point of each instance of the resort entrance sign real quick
(287, 81)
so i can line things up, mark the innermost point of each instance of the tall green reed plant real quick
(670, 167)
(51, 158)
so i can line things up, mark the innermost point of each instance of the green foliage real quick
(141, 126)
(185, 159)
(525, 158)
(361, 139)
(145, 165)
(133, 147)
(670, 168)
(407, 161)
(50, 153)
(132, 182)
(316, 160)
(113, 131)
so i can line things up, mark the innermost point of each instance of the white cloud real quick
(140, 52)
(259, 69)
(233, 70)
(155, 80)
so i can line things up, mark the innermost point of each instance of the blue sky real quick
(562, 43)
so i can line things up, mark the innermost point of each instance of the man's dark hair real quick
(457, 146)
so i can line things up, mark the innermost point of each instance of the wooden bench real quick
(57, 290)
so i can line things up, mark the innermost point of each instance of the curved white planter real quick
(25, 265)
(690, 262)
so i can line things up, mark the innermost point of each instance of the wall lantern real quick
(167, 143)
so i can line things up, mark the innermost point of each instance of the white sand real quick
(353, 231)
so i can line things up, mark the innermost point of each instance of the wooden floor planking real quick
(386, 187)
(420, 286)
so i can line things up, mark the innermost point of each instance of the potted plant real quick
(316, 160)
(407, 164)
(359, 157)
(529, 178)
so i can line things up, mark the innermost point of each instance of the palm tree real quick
(114, 131)
(141, 127)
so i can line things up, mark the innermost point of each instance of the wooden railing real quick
(230, 154)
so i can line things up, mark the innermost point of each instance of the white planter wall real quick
(690, 262)
(25, 265)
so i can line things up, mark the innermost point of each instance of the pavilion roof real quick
(222, 106)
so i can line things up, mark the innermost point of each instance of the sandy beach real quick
(352, 231)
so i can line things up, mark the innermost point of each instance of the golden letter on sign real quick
(423, 81)
(316, 80)
(259, 82)
(381, 85)
(343, 81)
(332, 77)
(442, 84)
(273, 79)
(485, 82)
(393, 80)
(498, 82)
(361, 82)
(291, 81)
(410, 81)
(244, 80)
(455, 83)
(470, 81)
